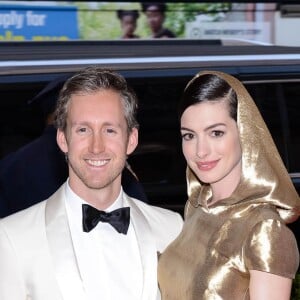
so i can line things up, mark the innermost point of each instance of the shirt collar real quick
(74, 202)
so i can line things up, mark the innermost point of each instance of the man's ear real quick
(61, 141)
(132, 141)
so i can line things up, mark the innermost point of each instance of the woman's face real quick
(128, 25)
(211, 144)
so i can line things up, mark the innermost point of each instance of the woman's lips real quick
(207, 165)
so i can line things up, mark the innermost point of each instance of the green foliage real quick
(296, 288)
(179, 13)
(101, 22)
(98, 21)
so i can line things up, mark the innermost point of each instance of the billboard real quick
(255, 31)
(38, 23)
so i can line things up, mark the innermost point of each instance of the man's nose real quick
(97, 143)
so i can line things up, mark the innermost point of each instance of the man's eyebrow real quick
(87, 123)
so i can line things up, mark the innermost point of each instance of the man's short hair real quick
(157, 6)
(90, 80)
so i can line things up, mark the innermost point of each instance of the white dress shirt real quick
(109, 262)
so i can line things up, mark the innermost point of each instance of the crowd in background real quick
(155, 14)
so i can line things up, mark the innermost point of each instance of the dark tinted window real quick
(19, 122)
(158, 160)
(292, 99)
(280, 107)
(266, 97)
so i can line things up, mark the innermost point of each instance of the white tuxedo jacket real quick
(38, 262)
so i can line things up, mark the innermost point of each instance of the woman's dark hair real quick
(208, 87)
(122, 13)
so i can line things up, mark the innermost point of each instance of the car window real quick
(292, 99)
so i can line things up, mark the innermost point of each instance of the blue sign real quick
(38, 23)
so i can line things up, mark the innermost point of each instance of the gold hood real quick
(264, 177)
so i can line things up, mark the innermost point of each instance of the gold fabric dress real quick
(219, 244)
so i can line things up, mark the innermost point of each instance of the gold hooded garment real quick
(220, 243)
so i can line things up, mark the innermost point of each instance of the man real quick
(35, 171)
(67, 247)
(155, 14)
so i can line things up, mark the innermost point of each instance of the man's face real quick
(97, 141)
(155, 19)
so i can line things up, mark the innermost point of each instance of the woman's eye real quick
(187, 136)
(217, 133)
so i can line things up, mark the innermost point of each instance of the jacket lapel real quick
(147, 247)
(64, 260)
(61, 248)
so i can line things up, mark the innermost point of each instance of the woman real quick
(128, 20)
(234, 244)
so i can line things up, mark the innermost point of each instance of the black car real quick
(158, 71)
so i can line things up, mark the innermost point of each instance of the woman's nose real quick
(203, 148)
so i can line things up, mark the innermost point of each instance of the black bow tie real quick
(118, 218)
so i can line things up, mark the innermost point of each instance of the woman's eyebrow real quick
(207, 128)
(214, 125)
